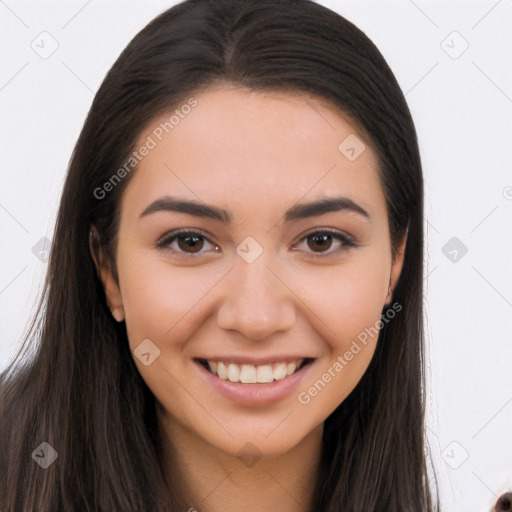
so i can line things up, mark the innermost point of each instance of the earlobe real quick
(118, 313)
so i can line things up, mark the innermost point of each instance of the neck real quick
(214, 481)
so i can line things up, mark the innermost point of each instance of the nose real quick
(256, 302)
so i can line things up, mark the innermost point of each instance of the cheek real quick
(163, 302)
(166, 305)
(345, 303)
(346, 298)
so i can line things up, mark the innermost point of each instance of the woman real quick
(234, 293)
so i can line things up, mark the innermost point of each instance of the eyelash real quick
(348, 242)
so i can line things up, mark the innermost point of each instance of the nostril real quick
(504, 503)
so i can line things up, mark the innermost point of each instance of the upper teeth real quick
(250, 374)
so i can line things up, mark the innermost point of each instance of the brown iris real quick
(186, 242)
(319, 242)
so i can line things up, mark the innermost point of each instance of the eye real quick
(321, 241)
(190, 243)
(185, 242)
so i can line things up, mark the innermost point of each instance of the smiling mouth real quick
(254, 374)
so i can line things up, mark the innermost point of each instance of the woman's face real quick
(255, 284)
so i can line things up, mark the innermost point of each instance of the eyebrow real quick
(298, 211)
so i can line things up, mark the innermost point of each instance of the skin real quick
(255, 154)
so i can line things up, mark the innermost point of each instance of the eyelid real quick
(346, 240)
(164, 241)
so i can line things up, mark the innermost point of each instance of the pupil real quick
(191, 242)
(320, 240)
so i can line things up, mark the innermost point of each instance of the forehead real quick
(254, 149)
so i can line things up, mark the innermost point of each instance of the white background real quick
(462, 109)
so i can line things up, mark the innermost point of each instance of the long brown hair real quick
(78, 388)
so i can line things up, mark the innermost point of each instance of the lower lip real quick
(255, 394)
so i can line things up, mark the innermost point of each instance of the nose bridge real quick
(255, 302)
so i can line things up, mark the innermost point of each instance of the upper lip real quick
(254, 360)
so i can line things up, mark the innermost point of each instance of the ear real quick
(105, 275)
(396, 267)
